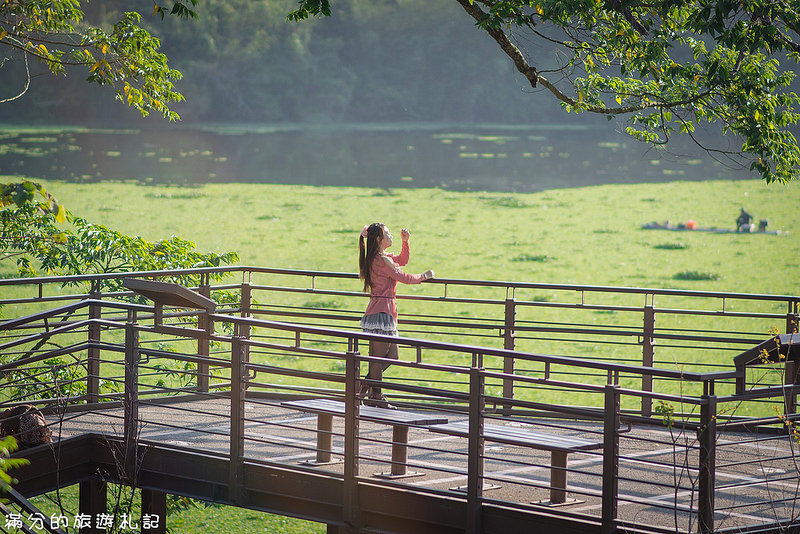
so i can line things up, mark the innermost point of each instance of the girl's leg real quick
(381, 350)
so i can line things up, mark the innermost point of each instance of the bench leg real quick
(324, 437)
(558, 481)
(558, 477)
(399, 449)
(399, 455)
(324, 442)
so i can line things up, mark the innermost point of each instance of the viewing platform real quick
(644, 411)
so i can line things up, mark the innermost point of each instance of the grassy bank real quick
(589, 235)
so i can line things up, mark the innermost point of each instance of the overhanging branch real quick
(533, 75)
(27, 83)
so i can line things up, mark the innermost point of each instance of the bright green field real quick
(212, 519)
(577, 236)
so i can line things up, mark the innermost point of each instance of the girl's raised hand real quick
(404, 235)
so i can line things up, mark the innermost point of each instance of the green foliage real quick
(93, 248)
(669, 67)
(29, 231)
(7, 446)
(61, 379)
(127, 58)
(310, 8)
(28, 225)
(24, 193)
(666, 411)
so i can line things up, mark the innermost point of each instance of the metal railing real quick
(663, 328)
(218, 381)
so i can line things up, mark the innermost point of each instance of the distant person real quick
(380, 272)
(744, 221)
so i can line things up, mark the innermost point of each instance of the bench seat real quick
(375, 414)
(559, 447)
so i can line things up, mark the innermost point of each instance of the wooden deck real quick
(279, 438)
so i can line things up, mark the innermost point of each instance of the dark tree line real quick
(374, 60)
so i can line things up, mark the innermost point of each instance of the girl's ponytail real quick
(368, 248)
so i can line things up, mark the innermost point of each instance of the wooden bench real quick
(399, 420)
(559, 447)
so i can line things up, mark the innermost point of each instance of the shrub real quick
(531, 257)
(696, 275)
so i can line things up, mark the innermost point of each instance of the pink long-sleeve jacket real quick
(385, 274)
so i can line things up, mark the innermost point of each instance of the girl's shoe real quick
(377, 400)
(364, 392)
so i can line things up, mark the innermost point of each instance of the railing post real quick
(610, 459)
(204, 322)
(475, 451)
(246, 311)
(790, 379)
(509, 343)
(791, 367)
(93, 354)
(131, 397)
(236, 419)
(793, 318)
(707, 437)
(648, 356)
(351, 507)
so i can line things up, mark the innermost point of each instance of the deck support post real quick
(707, 436)
(131, 399)
(91, 502)
(154, 511)
(475, 450)
(237, 419)
(350, 502)
(610, 459)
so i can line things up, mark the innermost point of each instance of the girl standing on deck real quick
(381, 271)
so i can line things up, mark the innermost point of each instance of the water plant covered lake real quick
(462, 158)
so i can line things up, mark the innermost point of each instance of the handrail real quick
(85, 303)
(437, 281)
(485, 351)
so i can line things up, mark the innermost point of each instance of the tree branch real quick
(532, 74)
(506, 45)
(27, 83)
